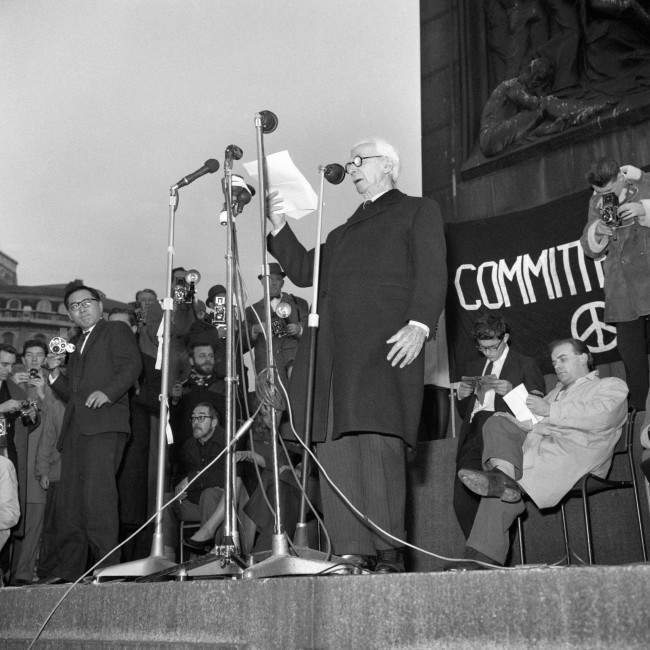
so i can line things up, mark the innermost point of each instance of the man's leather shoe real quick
(360, 563)
(390, 561)
(493, 483)
(200, 548)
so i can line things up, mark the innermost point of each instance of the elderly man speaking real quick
(382, 287)
(581, 421)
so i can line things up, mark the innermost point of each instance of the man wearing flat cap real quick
(382, 287)
(288, 322)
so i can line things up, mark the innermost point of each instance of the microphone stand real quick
(227, 561)
(300, 537)
(156, 561)
(280, 562)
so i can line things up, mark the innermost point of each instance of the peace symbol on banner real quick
(588, 325)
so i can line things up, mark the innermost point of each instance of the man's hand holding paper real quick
(296, 195)
(517, 401)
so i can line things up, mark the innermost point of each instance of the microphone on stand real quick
(269, 121)
(209, 167)
(242, 193)
(233, 152)
(334, 173)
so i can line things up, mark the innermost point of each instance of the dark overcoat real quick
(383, 267)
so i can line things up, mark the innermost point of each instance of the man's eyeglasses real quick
(489, 348)
(357, 161)
(200, 418)
(76, 306)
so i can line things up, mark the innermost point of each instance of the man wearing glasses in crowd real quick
(205, 497)
(488, 378)
(382, 287)
(101, 370)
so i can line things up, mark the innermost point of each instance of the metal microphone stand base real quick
(137, 568)
(282, 563)
(301, 545)
(221, 562)
(217, 564)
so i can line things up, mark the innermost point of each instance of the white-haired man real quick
(382, 287)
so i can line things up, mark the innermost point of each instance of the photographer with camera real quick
(18, 418)
(618, 232)
(288, 322)
(31, 376)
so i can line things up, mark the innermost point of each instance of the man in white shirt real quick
(495, 371)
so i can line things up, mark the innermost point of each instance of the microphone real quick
(233, 152)
(334, 173)
(209, 167)
(269, 121)
(242, 192)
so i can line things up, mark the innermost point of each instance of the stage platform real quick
(575, 607)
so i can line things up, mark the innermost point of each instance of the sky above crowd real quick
(106, 104)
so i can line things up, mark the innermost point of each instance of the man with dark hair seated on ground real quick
(500, 369)
(256, 514)
(201, 499)
(581, 421)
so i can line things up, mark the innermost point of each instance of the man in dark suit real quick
(382, 287)
(500, 369)
(101, 370)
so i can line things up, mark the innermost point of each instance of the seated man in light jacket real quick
(581, 421)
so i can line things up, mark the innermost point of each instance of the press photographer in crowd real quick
(618, 233)
(288, 322)
(32, 378)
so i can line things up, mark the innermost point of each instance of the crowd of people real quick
(79, 426)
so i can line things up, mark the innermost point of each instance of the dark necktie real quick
(82, 340)
(480, 389)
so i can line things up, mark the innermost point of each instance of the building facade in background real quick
(33, 312)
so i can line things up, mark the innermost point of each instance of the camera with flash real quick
(218, 316)
(185, 289)
(281, 311)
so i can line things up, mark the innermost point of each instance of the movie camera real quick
(609, 210)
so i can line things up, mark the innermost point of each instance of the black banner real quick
(531, 267)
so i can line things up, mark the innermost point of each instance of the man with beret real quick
(382, 287)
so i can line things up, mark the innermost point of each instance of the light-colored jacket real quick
(9, 508)
(577, 437)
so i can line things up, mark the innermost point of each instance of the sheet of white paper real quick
(298, 196)
(516, 400)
